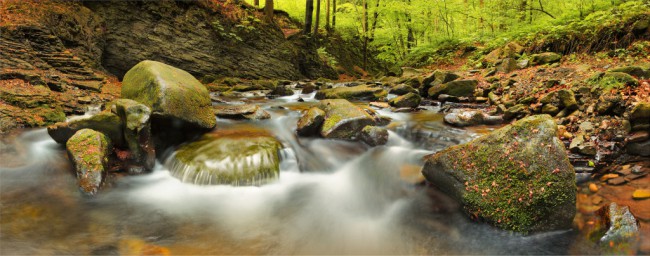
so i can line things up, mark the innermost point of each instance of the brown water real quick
(333, 197)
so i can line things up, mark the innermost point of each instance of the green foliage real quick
(326, 57)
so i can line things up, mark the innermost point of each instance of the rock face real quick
(235, 157)
(104, 122)
(359, 92)
(343, 120)
(171, 93)
(89, 150)
(459, 88)
(517, 178)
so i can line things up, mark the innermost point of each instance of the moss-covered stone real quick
(343, 120)
(438, 77)
(169, 92)
(605, 82)
(360, 92)
(244, 156)
(459, 88)
(243, 111)
(409, 100)
(640, 114)
(104, 122)
(373, 135)
(516, 112)
(137, 133)
(559, 100)
(402, 89)
(89, 151)
(545, 58)
(633, 71)
(516, 178)
(310, 123)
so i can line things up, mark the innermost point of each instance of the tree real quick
(268, 10)
(327, 15)
(317, 17)
(333, 13)
(257, 3)
(309, 12)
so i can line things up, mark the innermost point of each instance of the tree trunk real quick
(268, 10)
(364, 24)
(327, 15)
(375, 17)
(333, 13)
(316, 24)
(257, 3)
(309, 12)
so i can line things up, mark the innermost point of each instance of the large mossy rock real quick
(343, 120)
(516, 178)
(559, 100)
(360, 92)
(545, 58)
(409, 100)
(243, 156)
(605, 82)
(89, 152)
(640, 115)
(241, 111)
(459, 88)
(170, 93)
(438, 77)
(636, 71)
(310, 123)
(104, 122)
(136, 118)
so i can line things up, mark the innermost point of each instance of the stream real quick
(332, 197)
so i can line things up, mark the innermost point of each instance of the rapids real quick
(332, 197)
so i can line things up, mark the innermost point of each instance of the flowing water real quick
(332, 197)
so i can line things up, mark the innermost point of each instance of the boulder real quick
(545, 58)
(459, 88)
(516, 178)
(605, 82)
(343, 120)
(507, 65)
(402, 89)
(438, 77)
(640, 115)
(638, 148)
(633, 71)
(89, 152)
(409, 100)
(360, 92)
(241, 111)
(610, 103)
(583, 146)
(373, 135)
(471, 118)
(310, 123)
(171, 93)
(282, 90)
(137, 133)
(105, 122)
(516, 112)
(244, 156)
(559, 100)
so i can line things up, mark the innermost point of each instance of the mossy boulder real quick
(516, 178)
(559, 100)
(137, 134)
(471, 118)
(104, 122)
(459, 88)
(242, 111)
(640, 114)
(438, 77)
(244, 156)
(359, 92)
(516, 112)
(402, 89)
(311, 122)
(605, 82)
(633, 71)
(374, 135)
(545, 58)
(89, 152)
(409, 100)
(170, 92)
(343, 120)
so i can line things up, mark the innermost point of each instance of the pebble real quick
(608, 176)
(641, 194)
(593, 188)
(617, 181)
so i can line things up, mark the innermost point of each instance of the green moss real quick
(361, 92)
(605, 82)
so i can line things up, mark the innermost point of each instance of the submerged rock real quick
(373, 135)
(343, 120)
(236, 157)
(310, 122)
(622, 234)
(516, 178)
(170, 93)
(360, 92)
(104, 122)
(89, 150)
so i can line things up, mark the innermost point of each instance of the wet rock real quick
(504, 178)
(516, 112)
(89, 151)
(638, 148)
(241, 157)
(471, 118)
(137, 134)
(545, 58)
(617, 181)
(310, 123)
(373, 135)
(409, 100)
(282, 90)
(438, 77)
(640, 194)
(105, 122)
(622, 229)
(640, 115)
(343, 120)
(308, 88)
(402, 89)
(360, 92)
(171, 93)
(459, 88)
(241, 111)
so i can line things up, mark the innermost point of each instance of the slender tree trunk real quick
(309, 12)
(333, 13)
(327, 15)
(375, 17)
(257, 3)
(268, 10)
(364, 24)
(316, 24)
